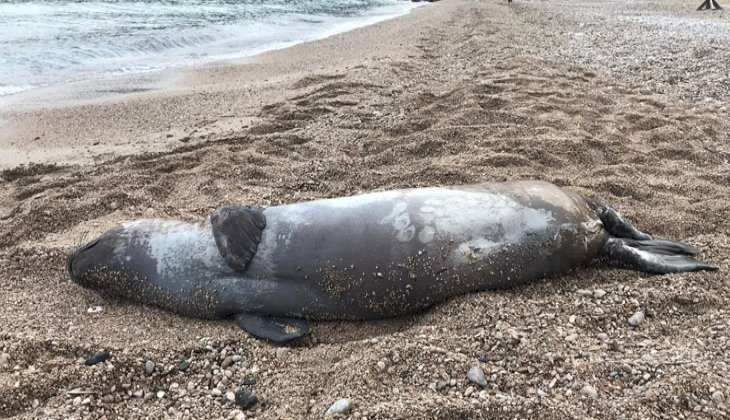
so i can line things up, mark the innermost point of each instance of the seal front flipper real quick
(653, 256)
(237, 232)
(276, 329)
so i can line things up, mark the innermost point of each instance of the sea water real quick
(47, 42)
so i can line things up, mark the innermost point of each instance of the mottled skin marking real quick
(363, 257)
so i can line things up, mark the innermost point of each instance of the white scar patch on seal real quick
(478, 221)
(401, 221)
(174, 245)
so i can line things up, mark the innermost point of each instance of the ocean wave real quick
(47, 42)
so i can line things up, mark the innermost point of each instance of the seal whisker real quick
(78, 245)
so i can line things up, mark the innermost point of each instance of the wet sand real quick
(456, 92)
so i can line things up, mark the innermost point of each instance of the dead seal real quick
(370, 256)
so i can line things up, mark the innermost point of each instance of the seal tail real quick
(631, 248)
(653, 256)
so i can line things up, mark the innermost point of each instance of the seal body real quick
(370, 256)
(397, 252)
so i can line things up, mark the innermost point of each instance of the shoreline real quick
(84, 123)
(66, 88)
(60, 124)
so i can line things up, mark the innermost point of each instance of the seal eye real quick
(87, 247)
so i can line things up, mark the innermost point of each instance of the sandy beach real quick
(628, 102)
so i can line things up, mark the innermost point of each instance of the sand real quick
(455, 92)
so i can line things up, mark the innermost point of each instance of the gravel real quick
(664, 47)
(637, 318)
(476, 375)
(149, 367)
(282, 353)
(4, 361)
(589, 391)
(246, 400)
(96, 358)
(341, 406)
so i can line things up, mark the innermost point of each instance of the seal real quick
(363, 257)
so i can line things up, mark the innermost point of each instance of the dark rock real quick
(246, 400)
(183, 366)
(249, 381)
(102, 356)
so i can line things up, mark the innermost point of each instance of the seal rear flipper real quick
(614, 223)
(276, 329)
(237, 232)
(658, 246)
(656, 257)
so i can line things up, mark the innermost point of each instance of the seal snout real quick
(74, 261)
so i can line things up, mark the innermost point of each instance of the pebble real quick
(341, 406)
(441, 385)
(571, 337)
(77, 401)
(718, 397)
(637, 319)
(183, 366)
(160, 395)
(149, 367)
(216, 392)
(602, 336)
(476, 375)
(380, 365)
(4, 361)
(227, 362)
(97, 358)
(245, 399)
(231, 396)
(589, 391)
(282, 353)
(236, 415)
(599, 293)
(95, 310)
(249, 381)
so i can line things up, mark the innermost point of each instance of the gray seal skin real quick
(371, 256)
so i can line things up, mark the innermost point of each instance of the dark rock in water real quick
(183, 366)
(246, 400)
(249, 381)
(97, 358)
